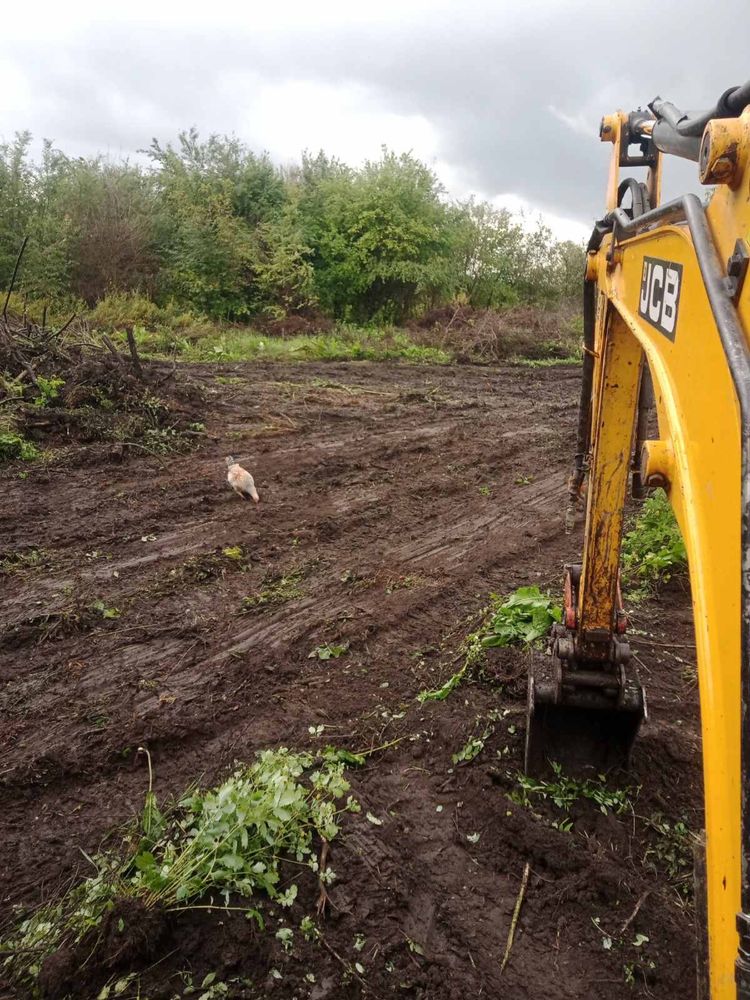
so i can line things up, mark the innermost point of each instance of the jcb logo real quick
(660, 294)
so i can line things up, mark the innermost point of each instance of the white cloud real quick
(578, 123)
(350, 123)
(562, 228)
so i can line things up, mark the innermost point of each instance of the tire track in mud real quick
(375, 482)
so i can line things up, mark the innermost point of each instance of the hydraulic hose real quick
(679, 132)
(669, 140)
(583, 437)
(587, 376)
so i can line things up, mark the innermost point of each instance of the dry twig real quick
(634, 914)
(516, 914)
(323, 897)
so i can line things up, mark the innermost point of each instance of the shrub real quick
(225, 232)
(14, 446)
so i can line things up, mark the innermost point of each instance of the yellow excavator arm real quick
(667, 319)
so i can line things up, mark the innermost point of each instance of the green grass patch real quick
(571, 359)
(344, 344)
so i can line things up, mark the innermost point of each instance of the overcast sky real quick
(501, 97)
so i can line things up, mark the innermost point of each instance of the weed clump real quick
(15, 446)
(229, 841)
(522, 619)
(277, 590)
(671, 851)
(563, 792)
(653, 549)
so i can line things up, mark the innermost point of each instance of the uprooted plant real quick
(563, 792)
(229, 841)
(522, 618)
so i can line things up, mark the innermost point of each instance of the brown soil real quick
(400, 494)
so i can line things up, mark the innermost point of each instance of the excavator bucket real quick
(586, 724)
(582, 713)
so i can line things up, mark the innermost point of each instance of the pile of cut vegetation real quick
(61, 385)
(256, 839)
(491, 335)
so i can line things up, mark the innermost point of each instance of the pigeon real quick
(241, 481)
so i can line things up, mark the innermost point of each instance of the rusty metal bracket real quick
(737, 270)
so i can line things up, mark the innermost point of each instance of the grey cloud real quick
(485, 76)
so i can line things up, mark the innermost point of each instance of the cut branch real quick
(134, 353)
(516, 914)
(13, 277)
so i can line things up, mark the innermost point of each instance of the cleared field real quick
(394, 499)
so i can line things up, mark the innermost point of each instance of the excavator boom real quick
(667, 319)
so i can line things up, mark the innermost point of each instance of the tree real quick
(380, 236)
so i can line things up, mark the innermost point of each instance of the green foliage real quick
(118, 310)
(49, 390)
(347, 343)
(328, 651)
(472, 748)
(218, 230)
(339, 754)
(229, 237)
(380, 236)
(523, 618)
(572, 359)
(564, 792)
(13, 445)
(654, 548)
(230, 840)
(89, 222)
(441, 693)
(500, 262)
(671, 851)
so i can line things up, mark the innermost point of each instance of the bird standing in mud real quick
(241, 481)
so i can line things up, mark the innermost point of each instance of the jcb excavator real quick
(667, 323)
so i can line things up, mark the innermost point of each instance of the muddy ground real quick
(397, 498)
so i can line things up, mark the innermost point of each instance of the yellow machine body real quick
(653, 308)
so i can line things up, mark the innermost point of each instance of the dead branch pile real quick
(491, 335)
(69, 382)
